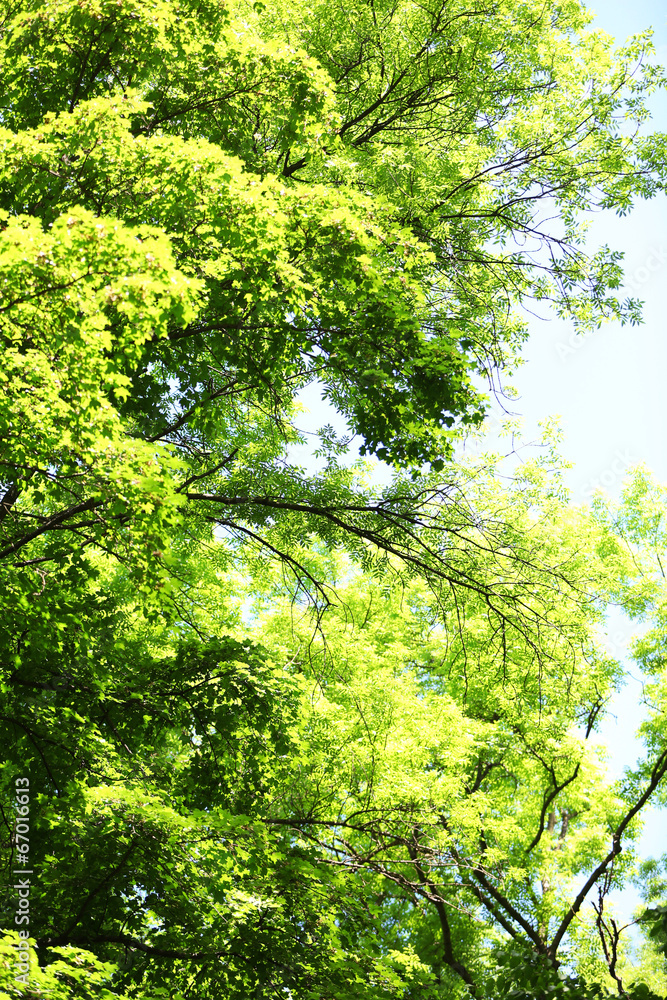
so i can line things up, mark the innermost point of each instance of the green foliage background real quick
(289, 733)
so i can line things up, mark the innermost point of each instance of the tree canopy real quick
(226, 203)
(289, 732)
(398, 797)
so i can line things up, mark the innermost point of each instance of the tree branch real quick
(657, 774)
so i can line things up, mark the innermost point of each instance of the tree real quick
(452, 764)
(205, 208)
(393, 796)
(238, 200)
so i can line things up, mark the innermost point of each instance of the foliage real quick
(355, 204)
(292, 733)
(74, 974)
(391, 795)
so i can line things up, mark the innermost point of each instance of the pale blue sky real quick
(609, 390)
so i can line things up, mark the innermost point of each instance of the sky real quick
(609, 387)
(608, 390)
